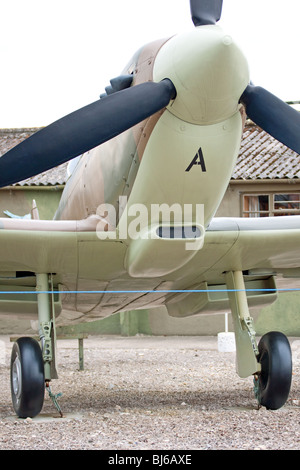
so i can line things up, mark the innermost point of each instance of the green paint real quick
(124, 323)
(19, 201)
(283, 315)
(106, 326)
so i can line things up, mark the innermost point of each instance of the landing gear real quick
(270, 362)
(272, 385)
(27, 377)
(32, 365)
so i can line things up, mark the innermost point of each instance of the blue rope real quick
(175, 291)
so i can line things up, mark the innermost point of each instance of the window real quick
(267, 205)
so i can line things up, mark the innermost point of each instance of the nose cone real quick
(209, 72)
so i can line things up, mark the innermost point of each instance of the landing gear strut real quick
(270, 362)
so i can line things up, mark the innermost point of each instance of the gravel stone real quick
(139, 393)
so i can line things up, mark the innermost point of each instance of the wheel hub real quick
(17, 378)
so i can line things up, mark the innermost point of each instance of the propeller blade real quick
(84, 129)
(273, 115)
(205, 11)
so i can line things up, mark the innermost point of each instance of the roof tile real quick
(9, 138)
(263, 157)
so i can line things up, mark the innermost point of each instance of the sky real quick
(58, 55)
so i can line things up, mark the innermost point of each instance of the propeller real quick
(102, 120)
(205, 12)
(273, 115)
(84, 129)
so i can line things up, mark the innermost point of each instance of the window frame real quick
(271, 212)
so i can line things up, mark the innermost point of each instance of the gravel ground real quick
(150, 393)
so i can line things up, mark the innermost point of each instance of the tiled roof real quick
(9, 138)
(263, 157)
(55, 177)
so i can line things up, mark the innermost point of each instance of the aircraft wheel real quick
(27, 377)
(275, 379)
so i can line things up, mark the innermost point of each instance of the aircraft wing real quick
(46, 246)
(80, 261)
(261, 248)
(69, 250)
(268, 244)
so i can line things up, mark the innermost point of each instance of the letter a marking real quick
(197, 160)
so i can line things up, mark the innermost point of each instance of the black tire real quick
(27, 377)
(275, 379)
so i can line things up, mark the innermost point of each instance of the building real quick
(266, 179)
(45, 188)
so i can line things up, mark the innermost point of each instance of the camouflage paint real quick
(108, 171)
